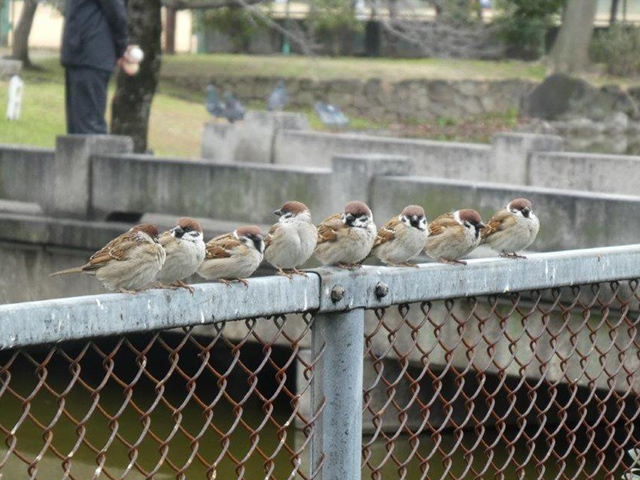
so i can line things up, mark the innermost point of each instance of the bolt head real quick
(382, 290)
(337, 293)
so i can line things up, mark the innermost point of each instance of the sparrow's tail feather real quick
(67, 271)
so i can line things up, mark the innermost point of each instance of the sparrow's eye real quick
(187, 229)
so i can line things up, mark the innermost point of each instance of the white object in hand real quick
(135, 55)
(14, 100)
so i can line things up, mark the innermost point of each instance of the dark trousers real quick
(86, 100)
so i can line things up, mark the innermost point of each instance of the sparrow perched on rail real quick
(128, 262)
(291, 241)
(184, 246)
(345, 239)
(512, 229)
(402, 238)
(233, 256)
(454, 235)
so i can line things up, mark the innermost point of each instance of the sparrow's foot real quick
(130, 292)
(283, 272)
(349, 266)
(407, 264)
(453, 262)
(181, 284)
(299, 272)
(512, 255)
(225, 281)
(243, 281)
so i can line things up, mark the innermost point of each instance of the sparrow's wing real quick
(165, 238)
(387, 232)
(117, 249)
(499, 222)
(441, 224)
(269, 238)
(221, 247)
(328, 229)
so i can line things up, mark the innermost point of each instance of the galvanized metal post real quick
(338, 380)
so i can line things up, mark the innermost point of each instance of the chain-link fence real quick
(500, 369)
(530, 385)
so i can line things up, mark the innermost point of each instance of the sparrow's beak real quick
(481, 226)
(415, 221)
(526, 212)
(277, 212)
(348, 219)
(178, 232)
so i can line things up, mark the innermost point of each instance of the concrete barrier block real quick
(511, 151)
(250, 140)
(352, 174)
(69, 193)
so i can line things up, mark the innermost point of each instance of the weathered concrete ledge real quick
(22, 167)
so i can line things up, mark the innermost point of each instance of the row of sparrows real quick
(139, 257)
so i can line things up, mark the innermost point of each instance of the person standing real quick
(94, 42)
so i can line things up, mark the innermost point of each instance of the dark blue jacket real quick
(95, 33)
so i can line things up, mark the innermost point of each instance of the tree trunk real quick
(131, 105)
(170, 31)
(20, 48)
(570, 52)
(613, 16)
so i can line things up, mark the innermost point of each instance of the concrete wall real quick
(437, 159)
(242, 193)
(568, 219)
(424, 99)
(588, 172)
(24, 171)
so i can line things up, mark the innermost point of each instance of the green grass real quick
(323, 68)
(177, 117)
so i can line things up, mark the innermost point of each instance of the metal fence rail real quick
(501, 369)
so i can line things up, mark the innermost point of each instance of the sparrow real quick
(454, 235)
(512, 229)
(233, 256)
(345, 239)
(184, 246)
(291, 241)
(402, 238)
(128, 262)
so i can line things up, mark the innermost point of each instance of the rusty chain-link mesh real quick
(228, 400)
(530, 385)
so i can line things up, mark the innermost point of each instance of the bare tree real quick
(20, 47)
(613, 15)
(453, 32)
(570, 53)
(170, 31)
(131, 105)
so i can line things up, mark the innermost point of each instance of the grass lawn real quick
(176, 120)
(324, 68)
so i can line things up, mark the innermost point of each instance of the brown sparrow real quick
(454, 235)
(402, 238)
(345, 239)
(512, 229)
(184, 245)
(128, 262)
(233, 256)
(291, 241)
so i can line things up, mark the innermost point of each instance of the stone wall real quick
(419, 99)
